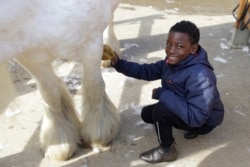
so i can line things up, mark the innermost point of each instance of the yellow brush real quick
(108, 53)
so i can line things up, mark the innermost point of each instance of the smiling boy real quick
(188, 98)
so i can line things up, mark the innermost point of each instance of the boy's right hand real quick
(108, 53)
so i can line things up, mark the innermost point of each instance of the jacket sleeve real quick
(194, 108)
(147, 72)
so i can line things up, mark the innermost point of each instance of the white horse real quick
(36, 32)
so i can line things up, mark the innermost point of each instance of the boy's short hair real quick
(189, 28)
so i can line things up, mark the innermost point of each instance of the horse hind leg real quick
(110, 39)
(60, 126)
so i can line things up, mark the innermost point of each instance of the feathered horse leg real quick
(100, 120)
(60, 126)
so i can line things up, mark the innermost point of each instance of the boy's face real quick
(178, 47)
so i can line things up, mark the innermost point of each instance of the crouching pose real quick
(188, 98)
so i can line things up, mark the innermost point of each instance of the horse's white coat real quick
(36, 32)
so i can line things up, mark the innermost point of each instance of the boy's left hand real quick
(156, 93)
(153, 92)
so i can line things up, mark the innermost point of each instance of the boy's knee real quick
(161, 112)
(146, 116)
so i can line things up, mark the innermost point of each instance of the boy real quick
(188, 98)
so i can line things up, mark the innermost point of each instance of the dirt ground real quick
(142, 29)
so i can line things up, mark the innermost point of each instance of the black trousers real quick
(165, 120)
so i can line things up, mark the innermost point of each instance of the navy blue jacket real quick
(188, 88)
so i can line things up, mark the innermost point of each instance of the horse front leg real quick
(100, 120)
(60, 126)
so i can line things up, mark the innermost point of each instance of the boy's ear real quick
(194, 48)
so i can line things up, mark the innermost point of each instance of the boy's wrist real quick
(114, 60)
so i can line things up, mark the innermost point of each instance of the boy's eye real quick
(179, 46)
(168, 44)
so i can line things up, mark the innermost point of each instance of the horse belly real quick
(57, 27)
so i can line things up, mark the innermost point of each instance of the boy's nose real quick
(172, 49)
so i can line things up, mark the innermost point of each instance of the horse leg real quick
(60, 126)
(7, 89)
(100, 120)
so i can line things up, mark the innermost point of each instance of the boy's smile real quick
(179, 47)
